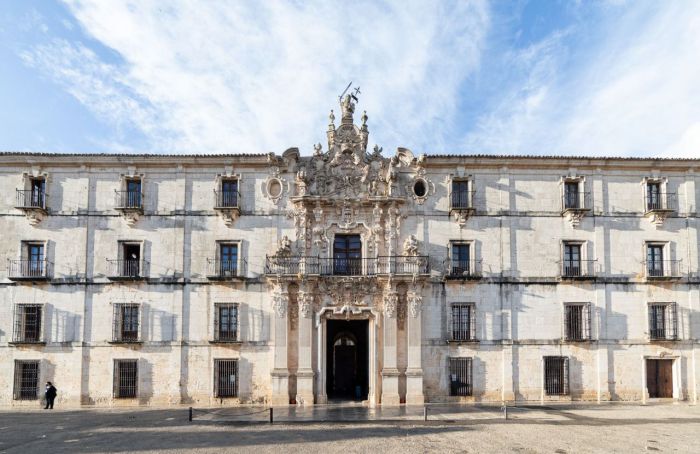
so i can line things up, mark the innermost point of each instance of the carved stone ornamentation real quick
(284, 247)
(391, 302)
(410, 246)
(279, 301)
(574, 217)
(305, 302)
(415, 303)
(658, 218)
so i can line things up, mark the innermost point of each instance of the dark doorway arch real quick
(347, 359)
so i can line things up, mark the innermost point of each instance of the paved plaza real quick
(547, 429)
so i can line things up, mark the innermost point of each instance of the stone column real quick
(414, 370)
(305, 373)
(280, 371)
(390, 371)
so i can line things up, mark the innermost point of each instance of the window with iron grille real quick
(225, 322)
(126, 323)
(463, 322)
(226, 377)
(126, 378)
(577, 322)
(27, 323)
(461, 377)
(663, 323)
(26, 380)
(556, 375)
(461, 194)
(572, 197)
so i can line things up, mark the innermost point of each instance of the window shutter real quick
(587, 321)
(18, 380)
(471, 310)
(234, 314)
(118, 323)
(115, 380)
(217, 320)
(565, 375)
(672, 331)
(216, 377)
(138, 324)
(17, 334)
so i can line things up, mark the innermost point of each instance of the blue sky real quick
(598, 78)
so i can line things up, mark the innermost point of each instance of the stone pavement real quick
(450, 428)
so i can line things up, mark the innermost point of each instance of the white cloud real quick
(634, 94)
(261, 76)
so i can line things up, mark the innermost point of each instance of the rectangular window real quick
(655, 260)
(461, 377)
(131, 260)
(347, 255)
(556, 375)
(663, 324)
(126, 323)
(461, 194)
(26, 386)
(226, 378)
(37, 192)
(126, 374)
(572, 260)
(463, 322)
(226, 322)
(654, 201)
(133, 193)
(461, 260)
(228, 196)
(577, 323)
(572, 199)
(35, 265)
(228, 259)
(28, 323)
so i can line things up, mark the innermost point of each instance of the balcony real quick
(126, 269)
(221, 270)
(128, 201)
(462, 206)
(30, 200)
(578, 269)
(663, 269)
(328, 266)
(29, 270)
(660, 202)
(462, 269)
(576, 201)
(228, 205)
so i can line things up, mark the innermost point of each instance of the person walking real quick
(50, 395)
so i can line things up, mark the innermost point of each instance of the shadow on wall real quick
(145, 390)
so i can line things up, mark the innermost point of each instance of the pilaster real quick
(280, 371)
(390, 371)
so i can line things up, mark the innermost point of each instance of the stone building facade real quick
(345, 274)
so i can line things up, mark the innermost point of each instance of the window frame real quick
(218, 257)
(585, 325)
(583, 258)
(453, 374)
(18, 392)
(216, 335)
(562, 388)
(580, 183)
(217, 391)
(463, 333)
(117, 385)
(469, 180)
(669, 326)
(19, 334)
(118, 323)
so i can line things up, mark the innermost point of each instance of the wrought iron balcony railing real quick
(576, 201)
(462, 200)
(227, 199)
(333, 266)
(662, 201)
(126, 269)
(30, 199)
(578, 269)
(29, 269)
(128, 200)
(226, 269)
(663, 269)
(462, 269)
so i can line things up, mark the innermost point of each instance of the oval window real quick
(274, 188)
(420, 188)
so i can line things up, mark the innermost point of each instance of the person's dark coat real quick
(51, 392)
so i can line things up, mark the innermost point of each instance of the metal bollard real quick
(505, 412)
(271, 417)
(425, 413)
(190, 417)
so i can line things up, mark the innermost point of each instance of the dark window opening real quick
(347, 255)
(28, 323)
(228, 196)
(461, 377)
(461, 196)
(126, 323)
(35, 265)
(131, 263)
(132, 197)
(571, 195)
(655, 260)
(654, 201)
(226, 322)
(226, 378)
(125, 378)
(663, 324)
(461, 260)
(228, 259)
(572, 260)
(419, 188)
(577, 323)
(556, 375)
(26, 386)
(463, 322)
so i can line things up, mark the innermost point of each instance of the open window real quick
(129, 264)
(461, 262)
(227, 198)
(575, 263)
(658, 201)
(31, 198)
(575, 201)
(658, 264)
(32, 264)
